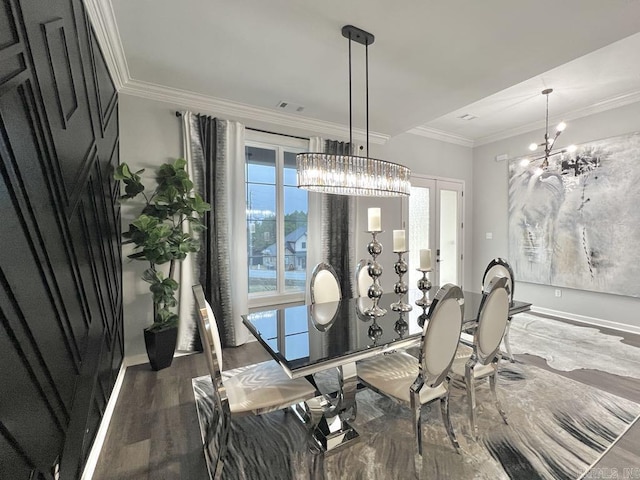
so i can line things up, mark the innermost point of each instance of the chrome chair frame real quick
(427, 377)
(220, 397)
(491, 356)
(362, 269)
(317, 270)
(499, 267)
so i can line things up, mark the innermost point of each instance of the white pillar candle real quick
(374, 222)
(399, 244)
(425, 259)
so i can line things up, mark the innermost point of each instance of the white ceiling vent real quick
(290, 107)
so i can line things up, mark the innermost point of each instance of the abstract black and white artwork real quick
(576, 223)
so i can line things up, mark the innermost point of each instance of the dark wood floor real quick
(154, 432)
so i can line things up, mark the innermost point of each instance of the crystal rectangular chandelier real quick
(350, 174)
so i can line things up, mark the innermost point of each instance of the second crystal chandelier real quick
(548, 140)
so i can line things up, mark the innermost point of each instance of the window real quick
(276, 220)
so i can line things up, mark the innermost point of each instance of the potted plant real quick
(159, 238)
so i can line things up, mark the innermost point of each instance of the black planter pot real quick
(160, 347)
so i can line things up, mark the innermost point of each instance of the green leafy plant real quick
(158, 233)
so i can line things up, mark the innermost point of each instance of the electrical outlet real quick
(558, 292)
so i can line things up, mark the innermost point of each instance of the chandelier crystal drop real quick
(342, 174)
(352, 175)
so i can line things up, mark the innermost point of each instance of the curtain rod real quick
(179, 114)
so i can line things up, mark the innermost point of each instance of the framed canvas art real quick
(576, 223)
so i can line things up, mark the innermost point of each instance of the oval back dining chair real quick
(324, 285)
(255, 389)
(481, 361)
(323, 315)
(422, 381)
(499, 267)
(363, 280)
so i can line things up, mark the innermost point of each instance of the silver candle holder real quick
(400, 288)
(424, 285)
(375, 270)
(374, 332)
(401, 326)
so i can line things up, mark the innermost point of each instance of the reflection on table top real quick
(306, 339)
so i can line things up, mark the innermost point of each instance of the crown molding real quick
(598, 107)
(220, 106)
(104, 25)
(103, 19)
(441, 135)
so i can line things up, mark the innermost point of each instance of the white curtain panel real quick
(237, 238)
(187, 272)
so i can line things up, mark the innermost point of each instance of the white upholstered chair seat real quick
(463, 351)
(466, 339)
(394, 375)
(479, 371)
(263, 387)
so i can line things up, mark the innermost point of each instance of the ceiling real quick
(432, 61)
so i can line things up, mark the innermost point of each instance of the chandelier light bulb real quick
(548, 139)
(571, 148)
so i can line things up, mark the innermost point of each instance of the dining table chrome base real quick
(327, 416)
(328, 431)
(333, 434)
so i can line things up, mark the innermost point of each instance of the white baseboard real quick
(136, 359)
(96, 448)
(98, 442)
(622, 327)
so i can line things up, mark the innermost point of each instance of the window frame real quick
(280, 144)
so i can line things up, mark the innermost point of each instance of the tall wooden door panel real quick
(61, 342)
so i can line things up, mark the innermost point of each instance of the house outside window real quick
(276, 218)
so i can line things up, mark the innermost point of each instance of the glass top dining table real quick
(306, 339)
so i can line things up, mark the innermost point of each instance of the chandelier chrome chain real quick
(350, 174)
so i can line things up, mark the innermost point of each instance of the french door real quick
(433, 216)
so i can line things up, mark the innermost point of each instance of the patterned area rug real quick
(569, 347)
(557, 429)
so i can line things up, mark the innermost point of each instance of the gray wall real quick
(490, 214)
(150, 134)
(438, 159)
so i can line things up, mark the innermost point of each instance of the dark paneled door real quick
(61, 339)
